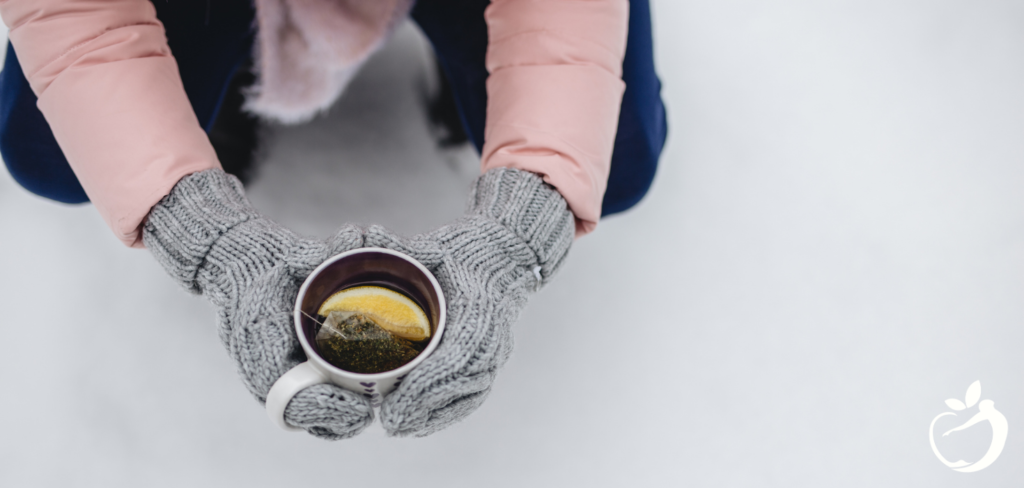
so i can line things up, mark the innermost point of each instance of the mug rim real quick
(311, 354)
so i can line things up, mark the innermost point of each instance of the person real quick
(111, 102)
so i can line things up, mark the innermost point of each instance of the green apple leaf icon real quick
(973, 393)
(955, 404)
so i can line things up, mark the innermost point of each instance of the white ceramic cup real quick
(364, 266)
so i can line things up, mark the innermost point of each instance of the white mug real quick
(364, 266)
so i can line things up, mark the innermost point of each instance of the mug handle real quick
(295, 380)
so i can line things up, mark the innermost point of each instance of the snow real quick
(834, 246)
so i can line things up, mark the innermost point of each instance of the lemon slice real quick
(394, 312)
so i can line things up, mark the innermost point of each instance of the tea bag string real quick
(310, 317)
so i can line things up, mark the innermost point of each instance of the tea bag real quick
(354, 342)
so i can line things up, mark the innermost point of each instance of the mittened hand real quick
(208, 238)
(515, 235)
(513, 238)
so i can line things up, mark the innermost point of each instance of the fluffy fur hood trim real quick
(307, 51)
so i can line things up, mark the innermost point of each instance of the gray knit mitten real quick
(513, 238)
(210, 239)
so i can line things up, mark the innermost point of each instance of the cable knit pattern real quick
(485, 263)
(210, 239)
(515, 235)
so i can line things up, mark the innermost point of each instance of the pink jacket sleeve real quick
(110, 91)
(554, 93)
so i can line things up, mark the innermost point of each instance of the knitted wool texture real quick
(211, 241)
(514, 236)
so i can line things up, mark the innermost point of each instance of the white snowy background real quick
(834, 245)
